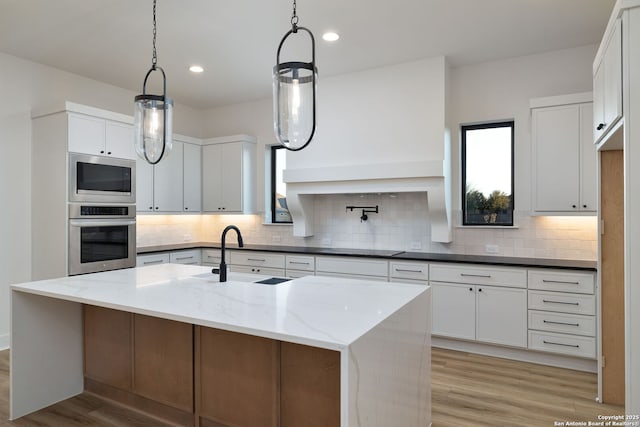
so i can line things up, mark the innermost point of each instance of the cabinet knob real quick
(573, 206)
(156, 208)
(601, 126)
(480, 290)
(584, 206)
(101, 151)
(150, 208)
(109, 152)
(471, 289)
(186, 208)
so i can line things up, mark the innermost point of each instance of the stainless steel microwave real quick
(100, 179)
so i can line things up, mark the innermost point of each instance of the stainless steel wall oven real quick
(101, 237)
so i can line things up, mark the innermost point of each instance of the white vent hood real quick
(431, 177)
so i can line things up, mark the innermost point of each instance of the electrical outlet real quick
(416, 246)
(491, 249)
(186, 237)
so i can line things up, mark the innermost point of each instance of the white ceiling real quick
(236, 40)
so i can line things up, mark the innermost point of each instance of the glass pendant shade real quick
(294, 99)
(153, 123)
(153, 118)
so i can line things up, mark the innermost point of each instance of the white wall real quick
(25, 85)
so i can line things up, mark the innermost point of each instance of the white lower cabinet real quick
(490, 305)
(152, 259)
(266, 263)
(211, 257)
(352, 267)
(482, 313)
(190, 256)
(562, 312)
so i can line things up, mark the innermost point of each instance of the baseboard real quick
(4, 342)
(522, 355)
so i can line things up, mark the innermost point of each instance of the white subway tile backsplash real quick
(403, 220)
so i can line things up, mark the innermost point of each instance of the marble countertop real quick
(390, 254)
(324, 312)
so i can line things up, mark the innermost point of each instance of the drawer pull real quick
(562, 344)
(406, 270)
(564, 282)
(486, 276)
(183, 258)
(560, 302)
(256, 259)
(155, 261)
(299, 262)
(561, 323)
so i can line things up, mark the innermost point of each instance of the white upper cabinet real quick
(228, 175)
(607, 85)
(564, 159)
(192, 178)
(159, 188)
(100, 137)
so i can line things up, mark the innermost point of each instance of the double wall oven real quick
(102, 214)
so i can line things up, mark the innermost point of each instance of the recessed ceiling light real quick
(196, 69)
(330, 36)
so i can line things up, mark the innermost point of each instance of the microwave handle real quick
(100, 223)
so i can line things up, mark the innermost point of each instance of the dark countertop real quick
(389, 254)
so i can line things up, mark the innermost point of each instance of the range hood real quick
(431, 177)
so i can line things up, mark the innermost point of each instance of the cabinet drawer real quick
(266, 271)
(479, 275)
(257, 259)
(186, 257)
(553, 280)
(561, 302)
(211, 256)
(576, 324)
(409, 270)
(565, 344)
(297, 262)
(152, 259)
(358, 266)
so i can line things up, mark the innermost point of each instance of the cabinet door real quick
(211, 178)
(144, 186)
(598, 103)
(501, 315)
(237, 378)
(612, 62)
(556, 141)
(163, 361)
(192, 178)
(86, 135)
(107, 346)
(454, 310)
(119, 140)
(588, 161)
(167, 181)
(232, 176)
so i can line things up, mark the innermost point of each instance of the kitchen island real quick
(364, 346)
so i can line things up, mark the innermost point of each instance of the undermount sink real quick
(244, 277)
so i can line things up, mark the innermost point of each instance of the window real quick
(487, 174)
(279, 210)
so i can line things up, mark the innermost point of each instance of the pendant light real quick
(153, 115)
(294, 95)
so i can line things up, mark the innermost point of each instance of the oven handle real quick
(100, 223)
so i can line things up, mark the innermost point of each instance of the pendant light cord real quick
(294, 18)
(154, 59)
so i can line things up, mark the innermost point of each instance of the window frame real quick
(272, 202)
(463, 156)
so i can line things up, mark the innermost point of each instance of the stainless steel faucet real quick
(223, 264)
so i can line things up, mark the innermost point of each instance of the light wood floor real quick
(467, 390)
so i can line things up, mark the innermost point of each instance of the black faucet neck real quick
(223, 264)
